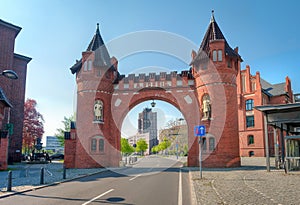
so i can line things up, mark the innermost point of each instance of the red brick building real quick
(14, 90)
(206, 94)
(254, 91)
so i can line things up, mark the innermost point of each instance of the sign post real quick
(200, 131)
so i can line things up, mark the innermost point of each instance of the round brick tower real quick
(215, 67)
(95, 142)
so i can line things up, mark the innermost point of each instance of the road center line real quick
(97, 197)
(135, 177)
(180, 189)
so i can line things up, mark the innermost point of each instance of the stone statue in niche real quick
(98, 110)
(206, 107)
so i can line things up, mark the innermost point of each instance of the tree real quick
(126, 148)
(164, 144)
(61, 131)
(141, 146)
(33, 126)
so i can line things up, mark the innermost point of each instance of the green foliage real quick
(161, 146)
(61, 131)
(126, 148)
(141, 146)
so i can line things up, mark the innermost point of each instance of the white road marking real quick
(180, 189)
(135, 177)
(97, 197)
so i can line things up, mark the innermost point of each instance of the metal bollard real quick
(64, 173)
(42, 175)
(9, 180)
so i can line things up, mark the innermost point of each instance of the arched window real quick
(94, 145)
(89, 65)
(250, 139)
(219, 55)
(211, 143)
(249, 104)
(214, 55)
(101, 145)
(97, 144)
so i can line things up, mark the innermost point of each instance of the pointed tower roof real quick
(97, 45)
(214, 33)
(96, 42)
(102, 57)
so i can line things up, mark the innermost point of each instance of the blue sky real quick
(54, 33)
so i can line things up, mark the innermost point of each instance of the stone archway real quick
(185, 101)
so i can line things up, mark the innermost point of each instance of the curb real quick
(192, 187)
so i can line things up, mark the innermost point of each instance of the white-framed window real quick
(89, 65)
(214, 53)
(220, 55)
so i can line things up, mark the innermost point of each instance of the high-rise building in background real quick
(53, 144)
(147, 123)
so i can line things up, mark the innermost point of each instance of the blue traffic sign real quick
(199, 130)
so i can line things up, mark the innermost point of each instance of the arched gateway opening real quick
(206, 94)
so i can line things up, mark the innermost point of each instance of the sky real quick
(55, 33)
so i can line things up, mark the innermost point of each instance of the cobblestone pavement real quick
(249, 184)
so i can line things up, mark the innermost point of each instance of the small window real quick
(253, 86)
(211, 143)
(85, 66)
(219, 55)
(251, 153)
(229, 64)
(249, 104)
(243, 83)
(94, 145)
(250, 121)
(214, 55)
(101, 145)
(250, 139)
(204, 144)
(89, 65)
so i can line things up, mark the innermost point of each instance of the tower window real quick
(85, 66)
(249, 104)
(94, 145)
(101, 145)
(219, 55)
(229, 63)
(253, 86)
(211, 143)
(89, 65)
(214, 55)
(250, 139)
(250, 121)
(243, 83)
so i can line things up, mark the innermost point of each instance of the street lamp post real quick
(11, 75)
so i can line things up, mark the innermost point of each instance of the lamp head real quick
(10, 74)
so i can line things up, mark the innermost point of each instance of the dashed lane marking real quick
(97, 197)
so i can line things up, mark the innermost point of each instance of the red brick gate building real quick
(205, 94)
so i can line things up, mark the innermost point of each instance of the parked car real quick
(57, 156)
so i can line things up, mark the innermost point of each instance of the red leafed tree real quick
(33, 127)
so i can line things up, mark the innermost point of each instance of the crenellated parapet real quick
(152, 80)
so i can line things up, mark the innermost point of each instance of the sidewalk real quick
(249, 184)
(27, 176)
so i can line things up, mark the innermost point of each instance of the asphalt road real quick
(153, 180)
